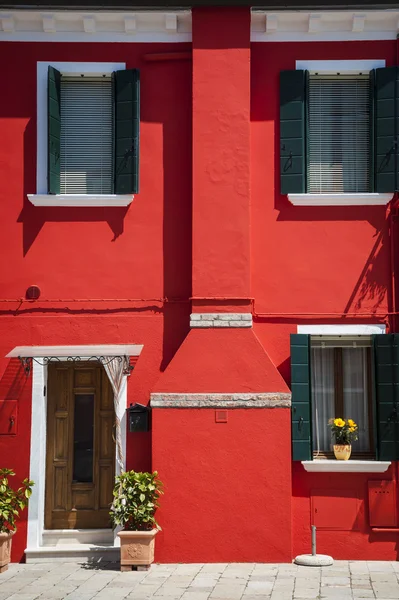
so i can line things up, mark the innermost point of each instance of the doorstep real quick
(57, 537)
(75, 545)
(78, 553)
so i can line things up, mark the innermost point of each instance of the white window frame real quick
(42, 198)
(348, 67)
(343, 466)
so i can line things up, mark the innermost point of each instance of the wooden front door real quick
(80, 462)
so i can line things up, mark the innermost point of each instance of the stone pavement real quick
(343, 580)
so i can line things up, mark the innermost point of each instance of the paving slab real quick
(345, 580)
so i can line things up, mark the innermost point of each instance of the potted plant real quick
(133, 508)
(345, 431)
(11, 503)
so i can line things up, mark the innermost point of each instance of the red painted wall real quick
(227, 485)
(143, 251)
(309, 261)
(247, 241)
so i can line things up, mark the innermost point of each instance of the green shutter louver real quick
(54, 130)
(386, 128)
(386, 352)
(293, 131)
(301, 397)
(127, 131)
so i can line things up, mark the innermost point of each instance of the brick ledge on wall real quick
(204, 320)
(261, 400)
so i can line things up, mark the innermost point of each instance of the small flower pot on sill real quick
(342, 452)
(5, 550)
(137, 548)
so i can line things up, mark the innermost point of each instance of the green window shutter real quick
(127, 131)
(386, 352)
(293, 86)
(385, 123)
(54, 130)
(301, 397)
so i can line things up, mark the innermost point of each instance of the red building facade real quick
(200, 276)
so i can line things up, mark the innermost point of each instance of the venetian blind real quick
(338, 134)
(86, 157)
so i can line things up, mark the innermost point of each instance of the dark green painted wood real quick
(54, 130)
(293, 131)
(127, 131)
(385, 123)
(372, 160)
(386, 353)
(301, 397)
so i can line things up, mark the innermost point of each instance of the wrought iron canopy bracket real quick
(26, 361)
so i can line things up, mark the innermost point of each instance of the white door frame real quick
(37, 468)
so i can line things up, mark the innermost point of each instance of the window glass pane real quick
(86, 136)
(83, 438)
(356, 401)
(339, 133)
(322, 372)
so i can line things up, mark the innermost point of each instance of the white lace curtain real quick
(115, 370)
(355, 392)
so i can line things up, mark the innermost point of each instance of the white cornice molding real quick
(324, 26)
(175, 26)
(97, 26)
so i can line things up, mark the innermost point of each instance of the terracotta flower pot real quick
(137, 548)
(5, 550)
(342, 451)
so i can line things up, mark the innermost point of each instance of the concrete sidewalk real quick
(343, 580)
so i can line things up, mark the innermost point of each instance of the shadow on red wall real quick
(15, 400)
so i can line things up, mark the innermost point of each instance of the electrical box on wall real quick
(8, 417)
(382, 503)
(335, 509)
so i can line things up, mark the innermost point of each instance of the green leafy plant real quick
(345, 431)
(12, 501)
(136, 500)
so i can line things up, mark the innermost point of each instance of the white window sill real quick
(81, 199)
(339, 199)
(345, 466)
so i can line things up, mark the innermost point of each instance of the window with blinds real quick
(86, 149)
(338, 134)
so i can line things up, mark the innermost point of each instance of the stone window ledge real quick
(339, 199)
(80, 199)
(345, 466)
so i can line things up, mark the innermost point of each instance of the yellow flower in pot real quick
(345, 431)
(135, 502)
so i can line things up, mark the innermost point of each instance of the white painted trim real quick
(80, 200)
(342, 329)
(345, 466)
(97, 26)
(41, 94)
(37, 466)
(82, 351)
(324, 26)
(340, 66)
(340, 199)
